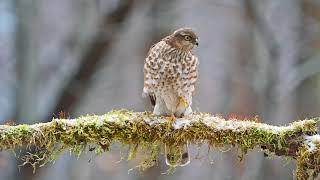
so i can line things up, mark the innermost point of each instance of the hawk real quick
(170, 74)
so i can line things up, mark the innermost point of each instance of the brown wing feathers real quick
(152, 99)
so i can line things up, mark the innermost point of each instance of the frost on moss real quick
(308, 161)
(146, 132)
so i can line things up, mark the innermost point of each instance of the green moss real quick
(308, 163)
(148, 133)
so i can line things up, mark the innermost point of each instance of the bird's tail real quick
(177, 155)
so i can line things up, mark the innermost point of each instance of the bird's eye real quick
(187, 38)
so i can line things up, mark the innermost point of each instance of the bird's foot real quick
(172, 118)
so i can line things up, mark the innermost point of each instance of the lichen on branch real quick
(142, 130)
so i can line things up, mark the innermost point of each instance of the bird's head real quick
(183, 38)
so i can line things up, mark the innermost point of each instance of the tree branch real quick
(299, 140)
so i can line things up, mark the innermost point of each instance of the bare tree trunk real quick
(278, 31)
(27, 68)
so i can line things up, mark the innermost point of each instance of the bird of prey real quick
(170, 74)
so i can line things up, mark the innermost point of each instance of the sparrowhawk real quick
(170, 74)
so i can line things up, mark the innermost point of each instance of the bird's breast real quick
(175, 74)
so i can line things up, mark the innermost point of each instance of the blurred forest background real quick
(257, 57)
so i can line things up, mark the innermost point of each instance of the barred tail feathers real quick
(177, 155)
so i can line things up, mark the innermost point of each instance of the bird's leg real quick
(172, 118)
(183, 101)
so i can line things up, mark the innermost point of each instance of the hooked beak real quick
(196, 42)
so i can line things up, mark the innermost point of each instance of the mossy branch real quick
(298, 140)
